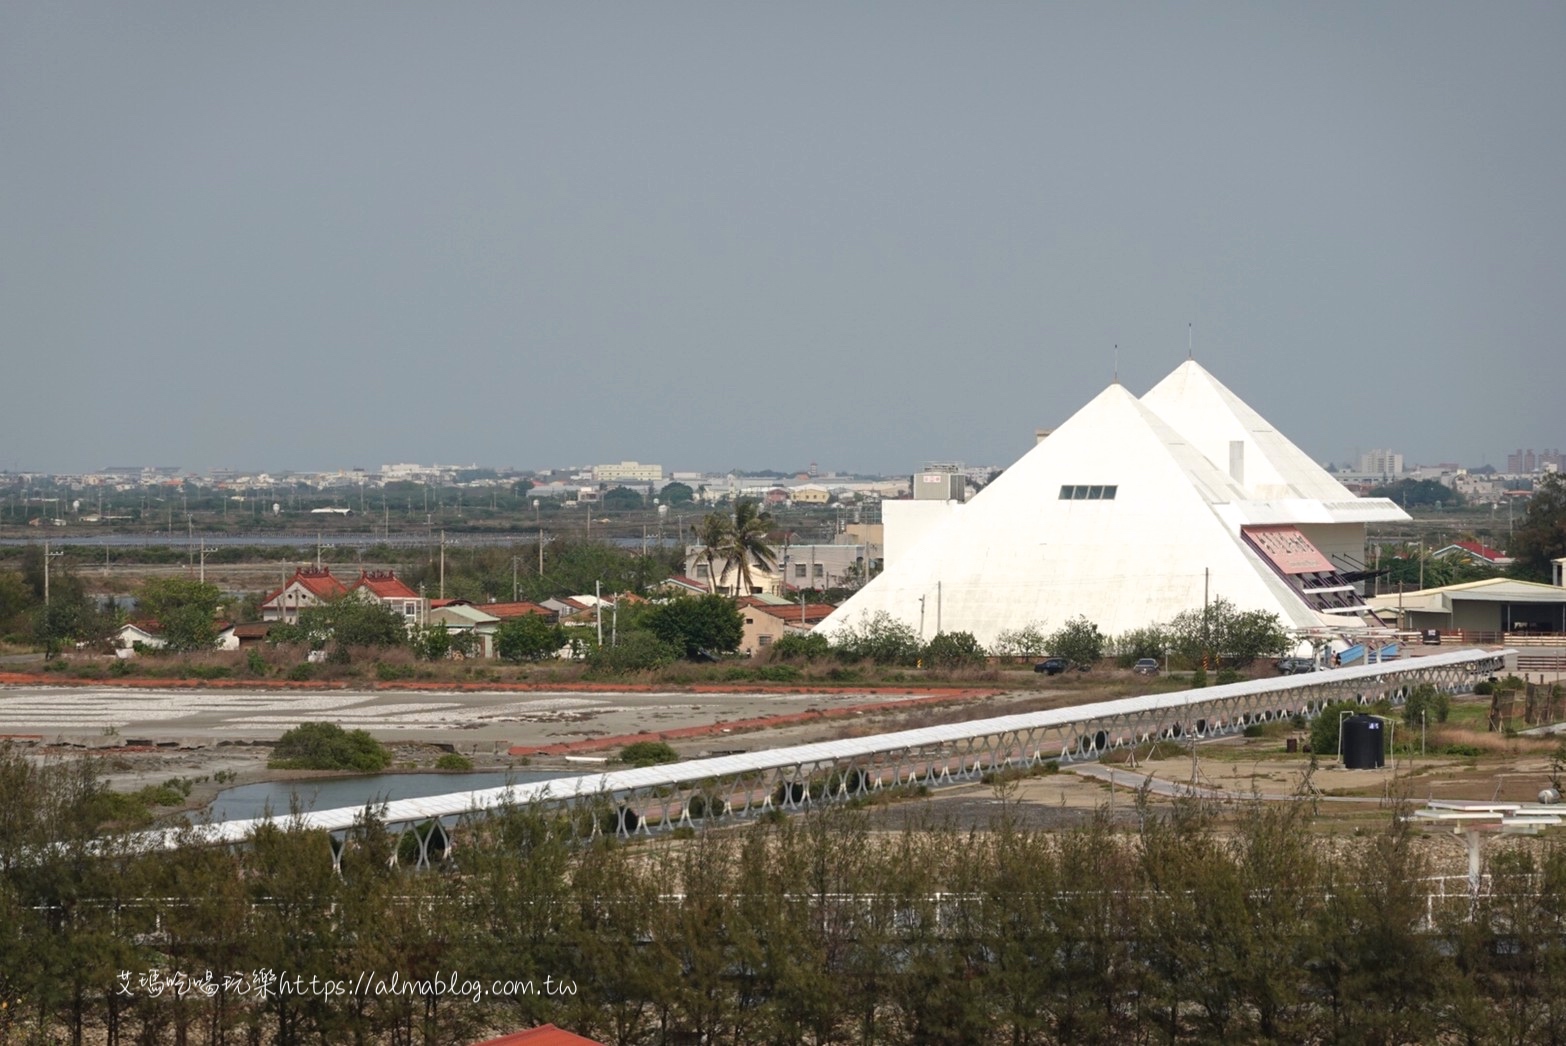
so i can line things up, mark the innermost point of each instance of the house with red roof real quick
(767, 622)
(385, 587)
(309, 587)
(520, 608)
(1477, 551)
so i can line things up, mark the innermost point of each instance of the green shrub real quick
(1198, 678)
(637, 651)
(255, 664)
(877, 637)
(172, 792)
(327, 746)
(389, 673)
(1484, 688)
(953, 650)
(1227, 675)
(1078, 641)
(1468, 751)
(206, 671)
(1254, 730)
(453, 761)
(119, 808)
(800, 646)
(301, 672)
(1132, 646)
(1428, 702)
(1028, 641)
(648, 753)
(778, 673)
(1324, 728)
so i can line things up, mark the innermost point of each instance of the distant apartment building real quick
(1523, 462)
(1384, 463)
(628, 472)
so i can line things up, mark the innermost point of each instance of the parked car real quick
(1293, 666)
(1147, 666)
(1052, 666)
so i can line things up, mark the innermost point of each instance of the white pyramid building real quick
(1126, 514)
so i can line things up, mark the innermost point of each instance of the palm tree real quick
(710, 534)
(745, 542)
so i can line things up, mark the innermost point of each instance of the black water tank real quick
(1364, 743)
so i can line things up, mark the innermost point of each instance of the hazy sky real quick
(320, 235)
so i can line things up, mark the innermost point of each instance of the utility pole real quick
(46, 557)
(540, 551)
(442, 564)
(514, 578)
(598, 609)
(1206, 579)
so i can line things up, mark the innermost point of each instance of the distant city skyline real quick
(868, 235)
(1374, 462)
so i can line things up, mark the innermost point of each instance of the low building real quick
(1476, 552)
(503, 611)
(810, 494)
(386, 588)
(145, 634)
(1487, 609)
(767, 622)
(461, 619)
(309, 587)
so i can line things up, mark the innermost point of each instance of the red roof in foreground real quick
(500, 610)
(813, 612)
(543, 1035)
(319, 583)
(518, 609)
(385, 584)
(1481, 550)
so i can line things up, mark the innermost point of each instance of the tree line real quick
(1174, 924)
